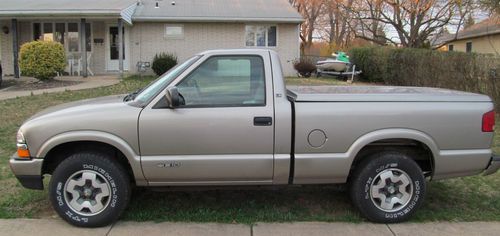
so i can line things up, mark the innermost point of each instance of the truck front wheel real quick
(387, 187)
(89, 190)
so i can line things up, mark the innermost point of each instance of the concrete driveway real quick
(16, 227)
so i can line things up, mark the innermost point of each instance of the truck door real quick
(224, 131)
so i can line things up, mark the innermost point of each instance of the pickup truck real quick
(225, 117)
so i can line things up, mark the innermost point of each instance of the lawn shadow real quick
(282, 204)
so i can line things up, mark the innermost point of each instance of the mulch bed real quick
(13, 85)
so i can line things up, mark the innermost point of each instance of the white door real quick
(112, 62)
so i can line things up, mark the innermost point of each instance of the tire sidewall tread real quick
(365, 174)
(111, 170)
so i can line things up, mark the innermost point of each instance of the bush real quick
(429, 68)
(163, 62)
(42, 59)
(304, 67)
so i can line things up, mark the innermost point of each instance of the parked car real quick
(225, 117)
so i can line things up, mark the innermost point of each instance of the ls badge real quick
(169, 165)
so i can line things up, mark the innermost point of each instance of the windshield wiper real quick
(131, 96)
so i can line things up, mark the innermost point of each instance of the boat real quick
(339, 62)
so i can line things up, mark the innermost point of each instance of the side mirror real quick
(173, 98)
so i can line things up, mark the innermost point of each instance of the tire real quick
(94, 178)
(404, 182)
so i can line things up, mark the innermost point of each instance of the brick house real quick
(182, 27)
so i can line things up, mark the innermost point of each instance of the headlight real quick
(20, 138)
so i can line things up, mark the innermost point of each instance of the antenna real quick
(173, 3)
(157, 5)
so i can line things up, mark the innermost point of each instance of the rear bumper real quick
(28, 172)
(493, 166)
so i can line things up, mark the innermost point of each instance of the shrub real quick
(429, 68)
(163, 62)
(304, 67)
(42, 59)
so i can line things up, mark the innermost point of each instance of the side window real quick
(223, 81)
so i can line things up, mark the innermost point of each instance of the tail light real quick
(489, 121)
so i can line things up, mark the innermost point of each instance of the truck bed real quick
(379, 94)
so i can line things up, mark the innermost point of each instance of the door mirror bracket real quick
(172, 97)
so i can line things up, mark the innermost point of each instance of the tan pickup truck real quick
(225, 117)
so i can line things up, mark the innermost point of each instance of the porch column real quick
(83, 40)
(120, 47)
(15, 48)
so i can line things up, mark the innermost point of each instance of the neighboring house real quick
(182, 27)
(483, 37)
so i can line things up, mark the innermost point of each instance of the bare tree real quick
(413, 21)
(493, 6)
(336, 30)
(311, 11)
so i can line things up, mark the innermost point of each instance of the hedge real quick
(469, 72)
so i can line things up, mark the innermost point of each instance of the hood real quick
(82, 105)
(105, 114)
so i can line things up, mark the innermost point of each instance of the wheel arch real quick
(91, 140)
(394, 139)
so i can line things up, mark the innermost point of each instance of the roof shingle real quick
(217, 10)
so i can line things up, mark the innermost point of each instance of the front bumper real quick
(494, 166)
(28, 172)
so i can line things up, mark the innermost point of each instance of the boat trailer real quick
(348, 74)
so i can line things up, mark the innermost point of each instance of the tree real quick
(310, 10)
(493, 6)
(337, 31)
(469, 21)
(413, 21)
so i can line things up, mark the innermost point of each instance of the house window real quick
(60, 32)
(468, 47)
(65, 33)
(73, 42)
(48, 32)
(37, 31)
(174, 31)
(450, 47)
(260, 36)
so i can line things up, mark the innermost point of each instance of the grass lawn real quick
(464, 199)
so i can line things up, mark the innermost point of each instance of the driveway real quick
(85, 83)
(16, 227)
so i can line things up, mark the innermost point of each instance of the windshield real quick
(156, 86)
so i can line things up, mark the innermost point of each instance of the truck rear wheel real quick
(387, 187)
(89, 190)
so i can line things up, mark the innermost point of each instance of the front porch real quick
(89, 34)
(93, 46)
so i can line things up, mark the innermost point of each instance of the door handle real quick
(263, 121)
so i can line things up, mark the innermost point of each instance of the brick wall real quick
(147, 39)
(6, 50)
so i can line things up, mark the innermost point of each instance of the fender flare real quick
(393, 133)
(97, 136)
